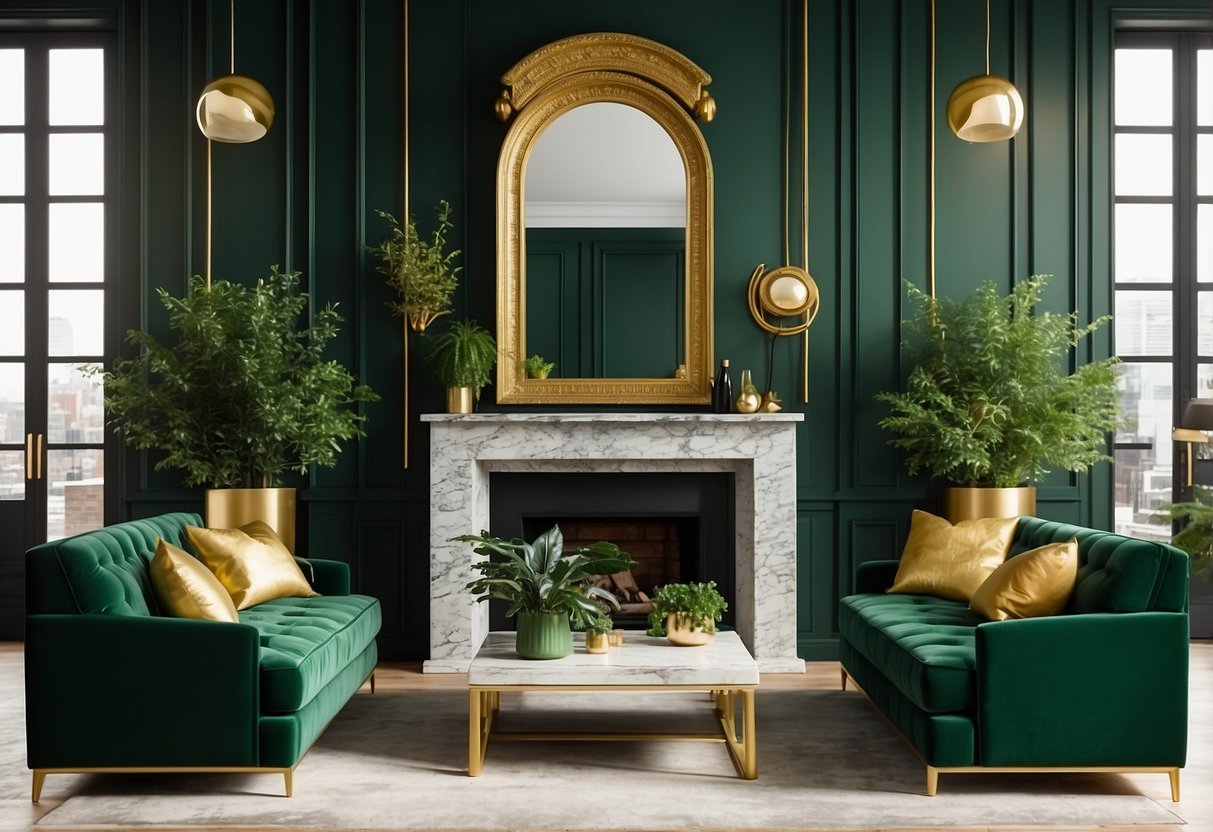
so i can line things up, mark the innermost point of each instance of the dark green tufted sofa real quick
(111, 685)
(1103, 686)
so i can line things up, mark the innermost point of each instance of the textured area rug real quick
(399, 761)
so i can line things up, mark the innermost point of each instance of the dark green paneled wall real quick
(304, 197)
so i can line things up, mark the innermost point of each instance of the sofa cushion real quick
(951, 561)
(306, 642)
(1033, 584)
(186, 588)
(926, 646)
(250, 562)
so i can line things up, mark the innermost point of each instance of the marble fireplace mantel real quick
(760, 450)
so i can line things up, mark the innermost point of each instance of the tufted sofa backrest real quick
(1115, 573)
(102, 571)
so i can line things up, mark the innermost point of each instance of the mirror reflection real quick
(605, 219)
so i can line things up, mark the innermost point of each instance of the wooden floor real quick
(1195, 808)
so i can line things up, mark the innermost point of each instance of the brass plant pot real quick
(459, 400)
(597, 642)
(977, 503)
(679, 631)
(227, 508)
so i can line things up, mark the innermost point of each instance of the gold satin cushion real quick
(951, 561)
(251, 562)
(1038, 582)
(186, 588)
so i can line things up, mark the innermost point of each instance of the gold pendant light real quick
(985, 108)
(234, 108)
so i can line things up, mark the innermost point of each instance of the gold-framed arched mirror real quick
(604, 225)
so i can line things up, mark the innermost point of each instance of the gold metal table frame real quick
(733, 702)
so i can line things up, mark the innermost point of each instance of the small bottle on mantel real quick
(722, 389)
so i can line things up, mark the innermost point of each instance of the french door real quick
(58, 217)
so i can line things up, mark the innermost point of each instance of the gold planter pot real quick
(679, 631)
(459, 400)
(975, 503)
(597, 642)
(227, 508)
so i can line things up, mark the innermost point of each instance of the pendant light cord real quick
(987, 37)
(231, 46)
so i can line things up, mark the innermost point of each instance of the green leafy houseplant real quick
(698, 603)
(988, 402)
(463, 355)
(1196, 537)
(537, 367)
(421, 272)
(244, 394)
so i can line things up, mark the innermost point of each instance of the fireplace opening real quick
(678, 527)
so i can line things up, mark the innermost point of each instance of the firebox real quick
(678, 527)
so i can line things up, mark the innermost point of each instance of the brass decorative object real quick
(667, 87)
(748, 400)
(597, 642)
(985, 108)
(459, 400)
(976, 503)
(229, 508)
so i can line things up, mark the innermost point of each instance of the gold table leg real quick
(475, 745)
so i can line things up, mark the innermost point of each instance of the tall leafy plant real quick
(244, 393)
(989, 401)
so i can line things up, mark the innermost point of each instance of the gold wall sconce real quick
(985, 108)
(784, 301)
(1193, 429)
(233, 109)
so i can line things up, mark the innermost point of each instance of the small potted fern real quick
(463, 355)
(686, 614)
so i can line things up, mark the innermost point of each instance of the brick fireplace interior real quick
(676, 526)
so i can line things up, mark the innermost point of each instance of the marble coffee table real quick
(724, 669)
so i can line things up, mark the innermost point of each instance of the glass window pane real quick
(76, 242)
(77, 86)
(75, 492)
(1143, 323)
(75, 321)
(12, 243)
(12, 475)
(1204, 381)
(1143, 86)
(1204, 165)
(77, 164)
(12, 322)
(12, 403)
(1204, 87)
(12, 86)
(1204, 243)
(1204, 324)
(12, 164)
(1145, 399)
(1143, 165)
(74, 406)
(1143, 482)
(1143, 243)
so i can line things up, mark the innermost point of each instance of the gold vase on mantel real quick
(228, 508)
(459, 400)
(962, 503)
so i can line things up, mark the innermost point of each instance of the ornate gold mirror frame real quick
(663, 84)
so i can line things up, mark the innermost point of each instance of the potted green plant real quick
(420, 272)
(597, 632)
(1196, 536)
(545, 586)
(537, 367)
(989, 404)
(686, 613)
(462, 355)
(241, 396)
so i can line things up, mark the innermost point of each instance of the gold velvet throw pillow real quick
(186, 588)
(251, 562)
(951, 561)
(1038, 582)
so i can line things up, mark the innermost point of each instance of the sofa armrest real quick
(126, 690)
(328, 577)
(1100, 689)
(875, 576)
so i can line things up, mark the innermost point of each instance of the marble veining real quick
(759, 450)
(642, 660)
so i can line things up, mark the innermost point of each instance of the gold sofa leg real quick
(40, 778)
(1174, 775)
(288, 777)
(932, 780)
(844, 678)
(372, 682)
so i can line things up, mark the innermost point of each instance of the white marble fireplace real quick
(759, 450)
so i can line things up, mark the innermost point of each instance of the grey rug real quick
(399, 761)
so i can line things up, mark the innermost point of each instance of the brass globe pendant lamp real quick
(985, 108)
(233, 109)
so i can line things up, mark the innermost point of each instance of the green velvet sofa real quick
(1101, 687)
(112, 685)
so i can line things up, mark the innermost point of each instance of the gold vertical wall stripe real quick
(804, 193)
(231, 46)
(404, 320)
(931, 116)
(208, 213)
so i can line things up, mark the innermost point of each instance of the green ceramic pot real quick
(543, 635)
